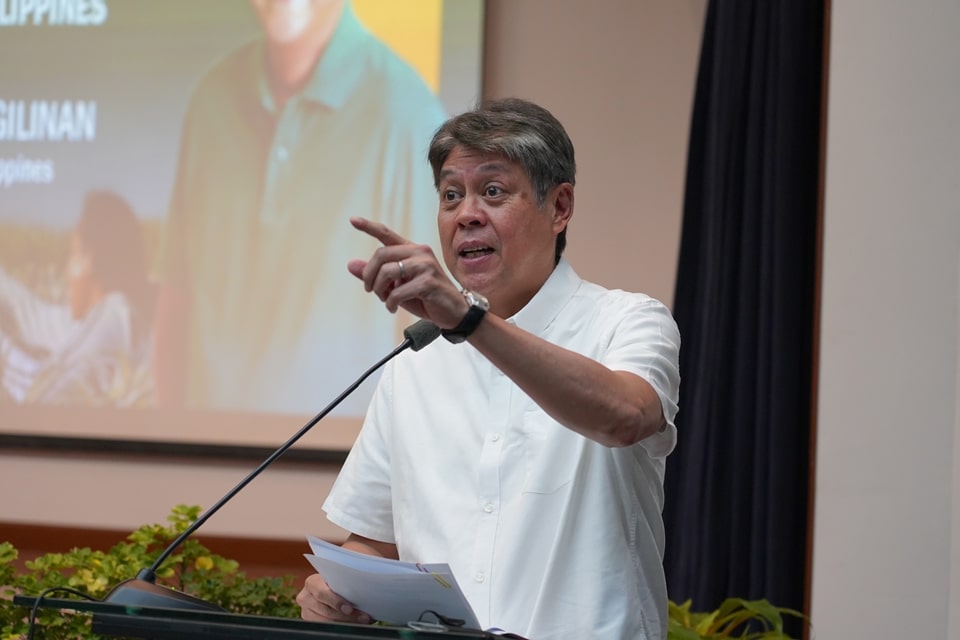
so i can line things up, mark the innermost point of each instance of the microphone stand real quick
(145, 592)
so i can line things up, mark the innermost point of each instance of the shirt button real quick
(479, 577)
(488, 507)
(494, 437)
(282, 153)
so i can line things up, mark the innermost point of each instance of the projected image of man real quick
(283, 141)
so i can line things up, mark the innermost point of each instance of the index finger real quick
(378, 230)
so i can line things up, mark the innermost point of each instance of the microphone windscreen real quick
(421, 333)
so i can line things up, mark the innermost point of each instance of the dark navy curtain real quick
(736, 503)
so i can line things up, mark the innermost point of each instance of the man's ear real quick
(562, 206)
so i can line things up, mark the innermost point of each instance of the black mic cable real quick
(143, 590)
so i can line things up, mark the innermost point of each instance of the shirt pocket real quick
(551, 453)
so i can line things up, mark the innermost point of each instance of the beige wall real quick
(886, 495)
(620, 75)
(953, 626)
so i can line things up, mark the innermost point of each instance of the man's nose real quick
(472, 213)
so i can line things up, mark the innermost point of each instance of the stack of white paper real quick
(389, 590)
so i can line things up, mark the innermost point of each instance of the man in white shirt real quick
(527, 449)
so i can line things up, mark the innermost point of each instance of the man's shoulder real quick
(615, 299)
(608, 312)
(400, 90)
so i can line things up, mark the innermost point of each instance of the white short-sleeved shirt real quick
(550, 534)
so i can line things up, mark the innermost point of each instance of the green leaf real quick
(8, 553)
(731, 620)
(676, 631)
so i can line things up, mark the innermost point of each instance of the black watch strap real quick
(467, 326)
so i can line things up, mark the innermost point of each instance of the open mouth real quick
(475, 252)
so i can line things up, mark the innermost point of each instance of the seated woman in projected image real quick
(93, 350)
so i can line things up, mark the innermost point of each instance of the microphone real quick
(143, 590)
(419, 334)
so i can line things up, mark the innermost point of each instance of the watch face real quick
(475, 299)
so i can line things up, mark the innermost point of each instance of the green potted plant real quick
(734, 618)
(191, 568)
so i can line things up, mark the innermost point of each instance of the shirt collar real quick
(339, 70)
(553, 296)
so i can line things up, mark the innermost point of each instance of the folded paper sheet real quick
(389, 590)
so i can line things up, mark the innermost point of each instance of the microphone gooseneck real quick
(143, 590)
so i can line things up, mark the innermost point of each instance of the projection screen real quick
(176, 183)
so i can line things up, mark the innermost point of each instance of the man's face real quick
(497, 240)
(285, 21)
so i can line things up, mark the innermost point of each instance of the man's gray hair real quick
(519, 131)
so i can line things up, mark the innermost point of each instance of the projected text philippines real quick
(74, 13)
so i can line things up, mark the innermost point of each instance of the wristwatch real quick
(478, 307)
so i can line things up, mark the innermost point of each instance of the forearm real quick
(614, 408)
(371, 547)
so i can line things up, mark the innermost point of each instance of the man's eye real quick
(492, 192)
(450, 195)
